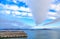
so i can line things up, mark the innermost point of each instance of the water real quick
(41, 34)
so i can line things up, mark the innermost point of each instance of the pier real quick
(12, 34)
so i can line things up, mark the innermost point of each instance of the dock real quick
(12, 34)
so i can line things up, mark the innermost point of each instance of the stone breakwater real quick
(12, 34)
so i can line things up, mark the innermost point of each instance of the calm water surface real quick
(41, 34)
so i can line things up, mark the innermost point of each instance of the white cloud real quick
(16, 13)
(30, 14)
(28, 10)
(14, 7)
(53, 6)
(52, 13)
(22, 8)
(45, 27)
(11, 7)
(24, 14)
(19, 16)
(7, 11)
(2, 6)
(58, 7)
(53, 18)
(6, 6)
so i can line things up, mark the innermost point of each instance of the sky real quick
(20, 12)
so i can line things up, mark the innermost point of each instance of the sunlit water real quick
(41, 34)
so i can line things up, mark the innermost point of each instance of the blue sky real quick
(26, 18)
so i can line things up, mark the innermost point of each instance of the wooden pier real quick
(12, 34)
